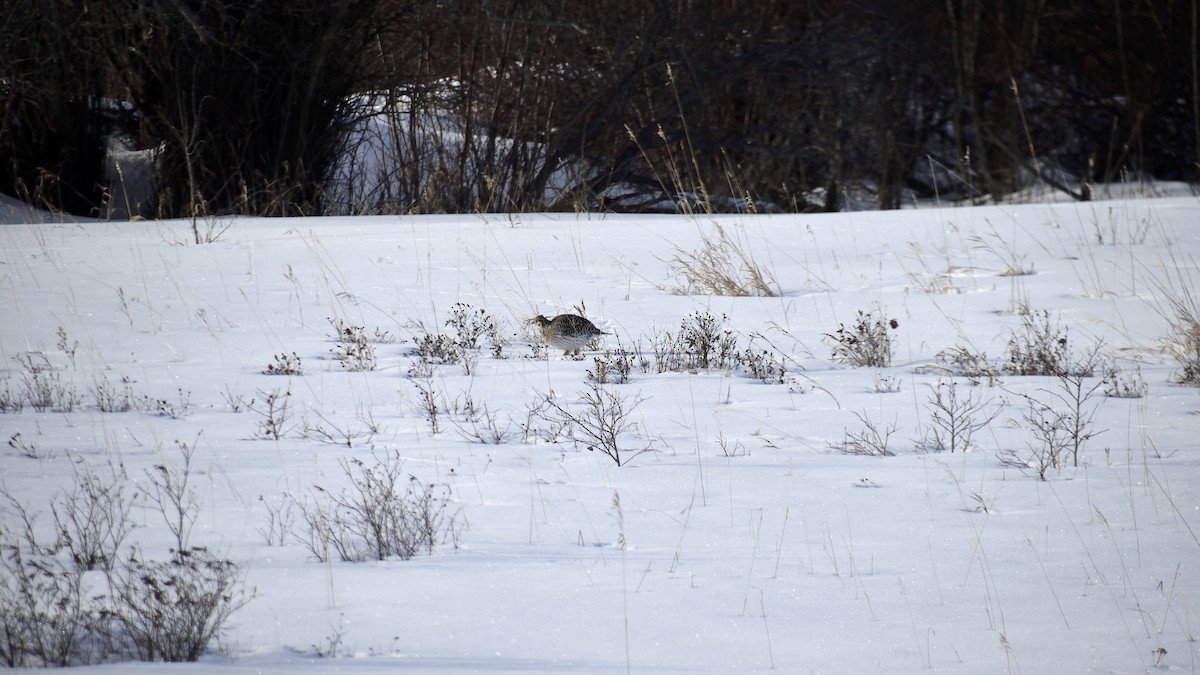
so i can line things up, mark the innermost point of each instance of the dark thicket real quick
(52, 121)
(277, 106)
(245, 99)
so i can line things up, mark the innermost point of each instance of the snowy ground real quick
(745, 540)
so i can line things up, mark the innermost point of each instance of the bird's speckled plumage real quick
(568, 332)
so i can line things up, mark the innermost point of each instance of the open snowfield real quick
(745, 538)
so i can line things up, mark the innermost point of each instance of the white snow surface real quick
(744, 541)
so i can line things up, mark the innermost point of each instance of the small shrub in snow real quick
(383, 513)
(170, 610)
(281, 516)
(481, 425)
(1049, 442)
(1060, 427)
(955, 418)
(975, 366)
(174, 497)
(10, 401)
(115, 399)
(886, 384)
(763, 365)
(234, 400)
(285, 364)
(1119, 383)
(66, 345)
(471, 324)
(599, 422)
(427, 403)
(872, 440)
(54, 615)
(702, 343)
(173, 409)
(613, 366)
(866, 343)
(42, 386)
(706, 342)
(339, 433)
(437, 348)
(91, 519)
(47, 617)
(1041, 347)
(1073, 394)
(274, 411)
(354, 350)
(26, 448)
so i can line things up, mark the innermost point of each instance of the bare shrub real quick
(482, 425)
(886, 384)
(26, 448)
(469, 327)
(871, 441)
(706, 341)
(47, 615)
(433, 349)
(1059, 427)
(1121, 383)
(10, 401)
(613, 366)
(471, 324)
(174, 497)
(865, 344)
(91, 518)
(599, 422)
(111, 398)
(427, 403)
(281, 516)
(956, 418)
(170, 610)
(1041, 347)
(702, 343)
(964, 362)
(1050, 438)
(383, 513)
(339, 433)
(354, 350)
(274, 410)
(155, 611)
(285, 364)
(1073, 393)
(177, 409)
(763, 365)
(42, 385)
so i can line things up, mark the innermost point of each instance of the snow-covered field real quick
(745, 539)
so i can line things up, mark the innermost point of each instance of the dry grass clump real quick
(1184, 341)
(722, 266)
